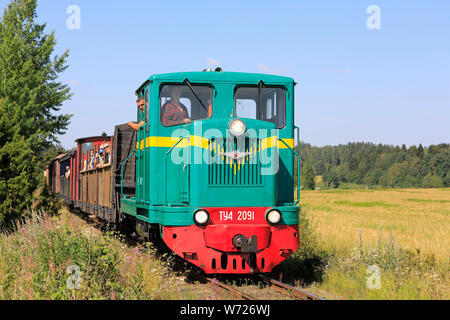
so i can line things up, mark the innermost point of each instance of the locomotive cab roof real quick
(219, 77)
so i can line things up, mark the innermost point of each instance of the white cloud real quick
(268, 69)
(212, 62)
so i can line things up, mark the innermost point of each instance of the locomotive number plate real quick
(238, 215)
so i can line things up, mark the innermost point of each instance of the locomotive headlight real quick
(273, 216)
(237, 127)
(201, 217)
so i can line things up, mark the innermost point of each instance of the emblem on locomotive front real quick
(235, 155)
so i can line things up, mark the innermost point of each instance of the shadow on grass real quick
(307, 265)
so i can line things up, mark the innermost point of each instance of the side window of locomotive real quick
(272, 107)
(180, 105)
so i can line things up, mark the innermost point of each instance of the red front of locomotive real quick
(235, 240)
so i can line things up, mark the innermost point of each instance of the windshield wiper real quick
(260, 87)
(195, 94)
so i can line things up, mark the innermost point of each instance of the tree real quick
(30, 98)
(331, 179)
(420, 151)
(309, 176)
(447, 179)
(431, 181)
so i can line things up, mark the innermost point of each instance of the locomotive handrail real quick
(121, 175)
(298, 170)
(298, 151)
(143, 169)
(165, 162)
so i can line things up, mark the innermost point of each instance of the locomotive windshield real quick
(186, 103)
(266, 103)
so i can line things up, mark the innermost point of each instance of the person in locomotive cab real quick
(141, 104)
(173, 112)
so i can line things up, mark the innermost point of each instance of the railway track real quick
(235, 292)
(298, 293)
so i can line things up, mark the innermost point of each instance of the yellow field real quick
(415, 218)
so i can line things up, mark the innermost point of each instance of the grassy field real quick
(405, 233)
(416, 218)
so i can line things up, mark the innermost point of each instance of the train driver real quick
(173, 112)
(141, 104)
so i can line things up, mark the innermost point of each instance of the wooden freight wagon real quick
(53, 172)
(92, 173)
(65, 176)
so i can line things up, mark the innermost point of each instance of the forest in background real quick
(375, 165)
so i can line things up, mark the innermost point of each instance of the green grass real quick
(365, 204)
(335, 191)
(322, 208)
(429, 201)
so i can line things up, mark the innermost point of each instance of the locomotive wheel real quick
(127, 226)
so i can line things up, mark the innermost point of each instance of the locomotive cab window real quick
(181, 104)
(266, 103)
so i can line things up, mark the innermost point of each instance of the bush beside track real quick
(34, 264)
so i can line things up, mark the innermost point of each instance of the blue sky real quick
(387, 86)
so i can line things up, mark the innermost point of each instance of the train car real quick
(92, 177)
(210, 171)
(64, 164)
(55, 170)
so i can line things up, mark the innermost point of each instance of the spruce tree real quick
(309, 176)
(30, 99)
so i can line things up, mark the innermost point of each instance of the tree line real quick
(376, 165)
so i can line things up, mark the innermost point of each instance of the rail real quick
(296, 291)
(235, 292)
(142, 158)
